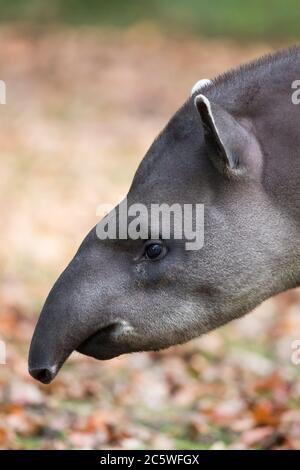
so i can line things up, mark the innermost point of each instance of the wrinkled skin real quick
(111, 300)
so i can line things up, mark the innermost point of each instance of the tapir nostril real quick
(44, 375)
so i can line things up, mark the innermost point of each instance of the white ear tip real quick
(203, 99)
(200, 84)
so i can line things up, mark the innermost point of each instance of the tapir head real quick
(125, 294)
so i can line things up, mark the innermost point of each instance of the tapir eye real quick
(154, 250)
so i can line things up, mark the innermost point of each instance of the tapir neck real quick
(267, 99)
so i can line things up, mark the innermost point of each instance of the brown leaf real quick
(264, 414)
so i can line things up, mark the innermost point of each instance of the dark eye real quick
(154, 251)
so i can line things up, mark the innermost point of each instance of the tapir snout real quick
(77, 315)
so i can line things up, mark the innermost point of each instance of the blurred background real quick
(89, 86)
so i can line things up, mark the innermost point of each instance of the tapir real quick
(234, 146)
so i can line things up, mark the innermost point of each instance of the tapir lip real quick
(106, 342)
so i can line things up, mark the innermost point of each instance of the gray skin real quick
(237, 151)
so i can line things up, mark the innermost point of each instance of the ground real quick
(82, 108)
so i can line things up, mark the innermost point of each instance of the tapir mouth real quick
(105, 343)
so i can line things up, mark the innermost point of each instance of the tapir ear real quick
(230, 139)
